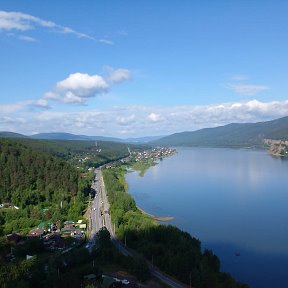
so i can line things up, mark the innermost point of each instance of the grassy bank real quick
(143, 166)
(156, 218)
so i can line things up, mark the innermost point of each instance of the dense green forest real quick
(79, 153)
(41, 186)
(99, 152)
(25, 171)
(175, 252)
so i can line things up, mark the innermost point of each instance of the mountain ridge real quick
(72, 137)
(237, 135)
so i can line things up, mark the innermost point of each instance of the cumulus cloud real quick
(77, 87)
(139, 120)
(82, 83)
(18, 21)
(246, 89)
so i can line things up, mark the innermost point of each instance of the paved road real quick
(166, 279)
(106, 211)
(96, 219)
(99, 220)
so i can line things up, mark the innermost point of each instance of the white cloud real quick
(105, 41)
(24, 105)
(70, 97)
(11, 108)
(18, 21)
(67, 30)
(51, 95)
(27, 38)
(39, 103)
(117, 75)
(126, 120)
(246, 89)
(138, 120)
(239, 77)
(153, 117)
(82, 83)
(77, 87)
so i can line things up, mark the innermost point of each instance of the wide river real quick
(234, 201)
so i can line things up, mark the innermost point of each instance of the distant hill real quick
(232, 135)
(5, 134)
(69, 136)
(75, 137)
(142, 139)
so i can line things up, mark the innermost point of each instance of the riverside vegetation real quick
(175, 252)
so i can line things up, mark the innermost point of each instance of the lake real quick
(234, 201)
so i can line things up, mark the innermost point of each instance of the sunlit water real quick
(234, 201)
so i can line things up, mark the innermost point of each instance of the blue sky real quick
(136, 68)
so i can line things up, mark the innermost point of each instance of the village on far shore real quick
(154, 154)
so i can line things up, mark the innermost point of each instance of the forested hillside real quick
(236, 135)
(6, 134)
(81, 153)
(29, 177)
(43, 187)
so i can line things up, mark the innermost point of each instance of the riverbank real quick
(278, 148)
(143, 166)
(174, 251)
(142, 161)
(156, 218)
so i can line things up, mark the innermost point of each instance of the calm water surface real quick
(234, 201)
